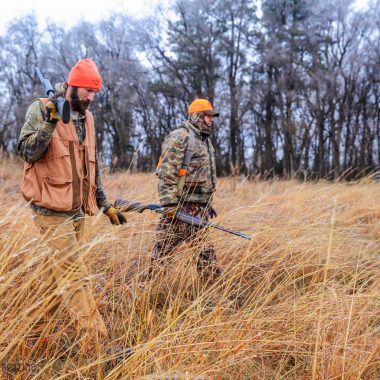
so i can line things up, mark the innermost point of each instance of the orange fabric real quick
(201, 105)
(182, 172)
(50, 181)
(159, 163)
(85, 74)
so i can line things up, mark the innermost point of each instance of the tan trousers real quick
(64, 275)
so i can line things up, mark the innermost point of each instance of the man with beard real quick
(186, 182)
(62, 182)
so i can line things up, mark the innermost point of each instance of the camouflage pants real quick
(171, 233)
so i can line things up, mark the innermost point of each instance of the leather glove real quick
(116, 217)
(51, 115)
(170, 211)
(212, 212)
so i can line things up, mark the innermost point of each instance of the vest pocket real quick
(56, 149)
(57, 193)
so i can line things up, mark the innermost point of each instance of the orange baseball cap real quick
(85, 74)
(202, 105)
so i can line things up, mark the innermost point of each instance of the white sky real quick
(69, 12)
(361, 4)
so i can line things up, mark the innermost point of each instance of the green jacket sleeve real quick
(173, 151)
(35, 134)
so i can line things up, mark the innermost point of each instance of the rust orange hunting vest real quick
(64, 178)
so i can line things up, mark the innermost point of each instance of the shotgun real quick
(125, 206)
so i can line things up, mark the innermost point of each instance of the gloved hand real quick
(212, 212)
(170, 211)
(116, 217)
(51, 115)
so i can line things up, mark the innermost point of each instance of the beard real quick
(197, 119)
(77, 104)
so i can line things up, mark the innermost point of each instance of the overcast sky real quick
(69, 12)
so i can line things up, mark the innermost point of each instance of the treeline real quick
(296, 82)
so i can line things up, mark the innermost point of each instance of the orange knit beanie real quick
(85, 74)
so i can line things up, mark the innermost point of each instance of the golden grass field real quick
(299, 301)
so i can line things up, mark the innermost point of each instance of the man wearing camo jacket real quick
(188, 186)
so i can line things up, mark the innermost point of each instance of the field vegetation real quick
(298, 301)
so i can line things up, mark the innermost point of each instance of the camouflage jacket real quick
(34, 138)
(200, 180)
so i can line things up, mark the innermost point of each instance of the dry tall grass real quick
(300, 301)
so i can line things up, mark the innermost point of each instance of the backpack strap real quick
(182, 172)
